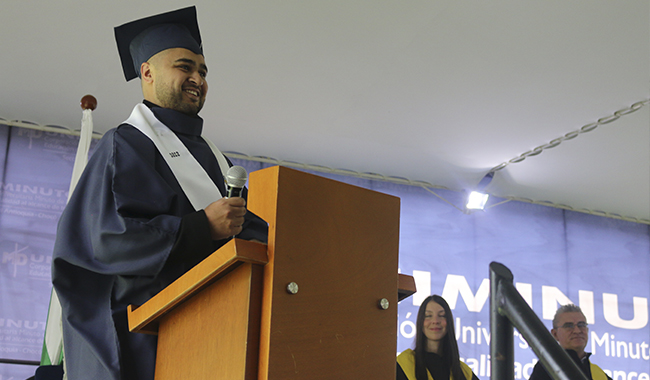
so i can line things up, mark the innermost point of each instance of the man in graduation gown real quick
(136, 221)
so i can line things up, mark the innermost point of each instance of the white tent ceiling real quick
(437, 91)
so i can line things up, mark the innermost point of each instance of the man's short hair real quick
(568, 308)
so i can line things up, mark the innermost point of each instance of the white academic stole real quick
(195, 182)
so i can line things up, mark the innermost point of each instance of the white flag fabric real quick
(53, 343)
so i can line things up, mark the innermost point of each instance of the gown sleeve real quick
(113, 240)
(123, 217)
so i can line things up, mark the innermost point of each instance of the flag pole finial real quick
(88, 102)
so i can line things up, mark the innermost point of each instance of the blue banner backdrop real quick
(556, 256)
(35, 178)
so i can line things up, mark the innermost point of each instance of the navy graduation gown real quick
(127, 232)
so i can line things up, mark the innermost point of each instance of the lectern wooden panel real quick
(339, 244)
(208, 320)
(223, 330)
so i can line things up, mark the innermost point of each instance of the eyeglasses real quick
(571, 325)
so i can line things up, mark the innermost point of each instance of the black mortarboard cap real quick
(139, 40)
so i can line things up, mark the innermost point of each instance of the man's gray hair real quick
(568, 308)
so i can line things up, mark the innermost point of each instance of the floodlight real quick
(476, 200)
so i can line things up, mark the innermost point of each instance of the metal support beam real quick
(502, 353)
(508, 309)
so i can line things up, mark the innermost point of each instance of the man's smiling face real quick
(179, 78)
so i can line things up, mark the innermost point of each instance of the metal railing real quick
(20, 362)
(508, 309)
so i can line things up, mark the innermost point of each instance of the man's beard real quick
(172, 99)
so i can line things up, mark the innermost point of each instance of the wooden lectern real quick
(318, 302)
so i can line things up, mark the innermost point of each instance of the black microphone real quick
(236, 178)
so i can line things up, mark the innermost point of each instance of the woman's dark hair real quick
(449, 345)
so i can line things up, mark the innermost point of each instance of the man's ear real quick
(146, 72)
(554, 333)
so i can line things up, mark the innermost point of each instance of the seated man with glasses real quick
(571, 331)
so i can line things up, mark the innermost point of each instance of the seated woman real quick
(436, 350)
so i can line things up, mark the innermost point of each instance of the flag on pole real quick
(52, 353)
